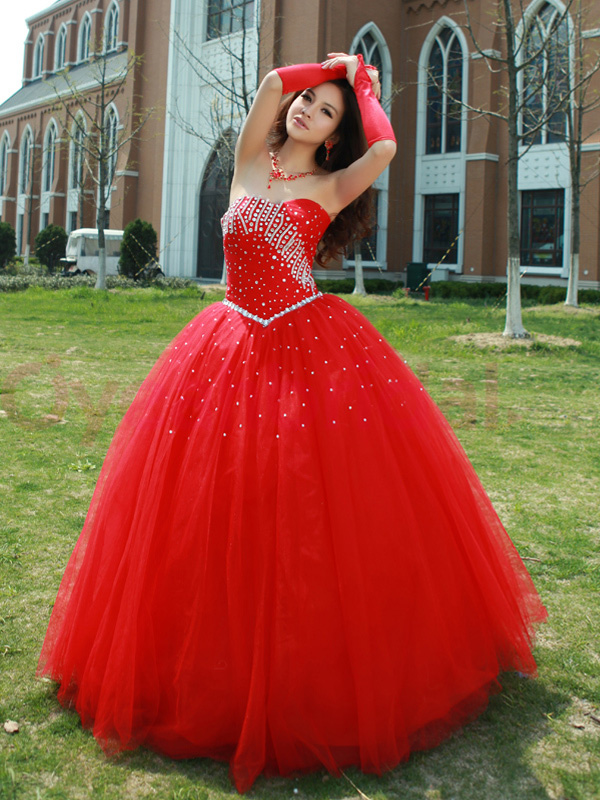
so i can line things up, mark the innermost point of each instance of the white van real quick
(82, 251)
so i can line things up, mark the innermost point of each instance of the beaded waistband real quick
(265, 322)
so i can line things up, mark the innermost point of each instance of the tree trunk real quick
(573, 284)
(223, 280)
(101, 279)
(359, 283)
(513, 326)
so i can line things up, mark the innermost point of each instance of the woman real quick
(288, 561)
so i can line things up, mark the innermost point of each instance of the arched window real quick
(444, 94)
(76, 154)
(369, 42)
(85, 35)
(60, 49)
(546, 76)
(4, 148)
(111, 29)
(49, 158)
(214, 195)
(25, 162)
(112, 143)
(38, 58)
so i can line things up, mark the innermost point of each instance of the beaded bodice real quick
(269, 251)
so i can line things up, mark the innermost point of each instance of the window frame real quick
(111, 29)
(451, 250)
(60, 49)
(38, 58)
(380, 187)
(559, 208)
(49, 157)
(4, 151)
(25, 162)
(225, 8)
(445, 96)
(84, 41)
(533, 22)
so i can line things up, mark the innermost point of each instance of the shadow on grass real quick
(489, 759)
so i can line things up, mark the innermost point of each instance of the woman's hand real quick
(351, 64)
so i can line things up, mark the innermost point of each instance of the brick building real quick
(444, 195)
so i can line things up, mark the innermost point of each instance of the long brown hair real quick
(354, 221)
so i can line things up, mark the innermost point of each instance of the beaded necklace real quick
(277, 173)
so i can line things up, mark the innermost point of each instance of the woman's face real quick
(316, 114)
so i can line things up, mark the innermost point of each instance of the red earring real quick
(328, 148)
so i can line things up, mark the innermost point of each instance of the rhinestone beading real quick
(269, 250)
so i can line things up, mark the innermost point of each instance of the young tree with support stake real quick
(100, 139)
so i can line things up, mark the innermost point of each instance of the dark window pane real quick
(542, 228)
(441, 229)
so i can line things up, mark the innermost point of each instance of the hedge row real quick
(18, 283)
(346, 285)
(544, 295)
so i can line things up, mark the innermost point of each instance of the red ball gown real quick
(289, 562)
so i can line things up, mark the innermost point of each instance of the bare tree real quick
(530, 70)
(102, 137)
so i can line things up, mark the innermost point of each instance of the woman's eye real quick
(328, 112)
(305, 96)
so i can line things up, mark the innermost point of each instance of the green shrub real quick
(138, 248)
(545, 295)
(50, 245)
(346, 285)
(18, 283)
(8, 243)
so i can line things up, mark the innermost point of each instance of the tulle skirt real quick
(288, 561)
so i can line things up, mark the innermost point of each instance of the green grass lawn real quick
(529, 419)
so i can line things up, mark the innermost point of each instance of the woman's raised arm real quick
(279, 81)
(257, 124)
(349, 183)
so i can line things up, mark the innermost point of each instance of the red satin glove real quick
(376, 125)
(303, 76)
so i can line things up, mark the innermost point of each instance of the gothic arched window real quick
(76, 154)
(112, 144)
(214, 197)
(49, 158)
(111, 29)
(38, 58)
(444, 94)
(546, 76)
(85, 35)
(60, 52)
(370, 43)
(25, 161)
(4, 148)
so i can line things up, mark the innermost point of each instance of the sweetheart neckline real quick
(281, 202)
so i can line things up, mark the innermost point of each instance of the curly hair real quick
(353, 222)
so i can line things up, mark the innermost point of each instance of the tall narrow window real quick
(440, 236)
(76, 156)
(111, 138)
(38, 58)
(214, 195)
(4, 148)
(542, 228)
(60, 52)
(25, 162)
(370, 43)
(444, 94)
(48, 165)
(85, 35)
(111, 29)
(228, 16)
(546, 77)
